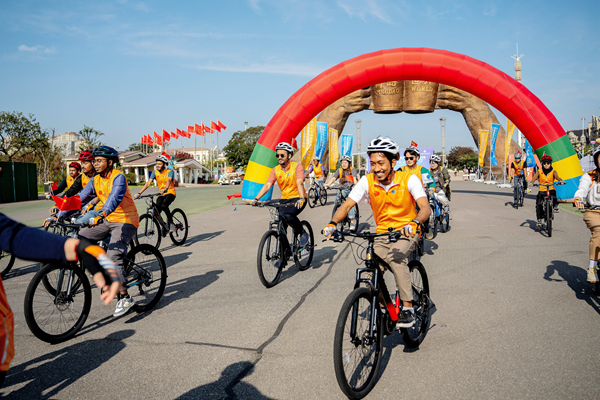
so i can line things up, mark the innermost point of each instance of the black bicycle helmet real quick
(108, 152)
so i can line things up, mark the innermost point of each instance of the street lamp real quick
(357, 122)
(583, 128)
(443, 123)
(245, 125)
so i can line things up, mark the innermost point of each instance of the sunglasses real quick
(410, 158)
(280, 155)
(546, 162)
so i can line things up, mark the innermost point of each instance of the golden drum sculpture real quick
(420, 96)
(388, 97)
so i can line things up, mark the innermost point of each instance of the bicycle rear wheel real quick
(356, 354)
(269, 261)
(312, 201)
(421, 304)
(517, 196)
(445, 223)
(7, 260)
(323, 197)
(146, 273)
(521, 196)
(303, 255)
(433, 226)
(181, 227)
(148, 231)
(57, 317)
(549, 218)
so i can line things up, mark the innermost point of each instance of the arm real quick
(146, 186)
(446, 176)
(116, 194)
(88, 192)
(585, 184)
(333, 178)
(424, 210)
(169, 181)
(266, 187)
(75, 188)
(556, 177)
(535, 177)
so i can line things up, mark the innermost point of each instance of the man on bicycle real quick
(546, 176)
(392, 196)
(290, 179)
(412, 156)
(164, 180)
(517, 168)
(319, 171)
(441, 177)
(74, 169)
(347, 177)
(118, 212)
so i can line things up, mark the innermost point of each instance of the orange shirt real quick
(7, 336)
(126, 212)
(394, 208)
(161, 180)
(286, 179)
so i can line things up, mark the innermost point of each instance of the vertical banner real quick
(529, 152)
(495, 130)
(321, 139)
(347, 145)
(308, 142)
(483, 138)
(510, 129)
(334, 152)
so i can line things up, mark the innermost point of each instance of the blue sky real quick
(130, 67)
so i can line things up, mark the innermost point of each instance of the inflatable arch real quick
(501, 91)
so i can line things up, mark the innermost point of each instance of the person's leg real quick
(539, 205)
(344, 194)
(120, 237)
(554, 199)
(592, 221)
(290, 215)
(441, 197)
(159, 207)
(168, 200)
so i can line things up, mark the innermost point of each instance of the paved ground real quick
(515, 318)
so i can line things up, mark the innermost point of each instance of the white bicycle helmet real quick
(162, 158)
(346, 158)
(435, 158)
(285, 146)
(518, 155)
(382, 144)
(412, 149)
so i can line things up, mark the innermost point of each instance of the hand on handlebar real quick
(96, 220)
(137, 196)
(407, 231)
(300, 202)
(105, 273)
(329, 230)
(49, 220)
(579, 203)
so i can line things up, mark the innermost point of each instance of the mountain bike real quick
(316, 194)
(345, 225)
(548, 205)
(152, 227)
(275, 248)
(7, 260)
(368, 314)
(59, 297)
(439, 216)
(519, 191)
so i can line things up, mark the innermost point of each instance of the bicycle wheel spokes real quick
(269, 262)
(303, 255)
(181, 227)
(414, 336)
(148, 231)
(146, 276)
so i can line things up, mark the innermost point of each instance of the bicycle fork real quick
(61, 277)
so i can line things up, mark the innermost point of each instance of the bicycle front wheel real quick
(421, 303)
(269, 260)
(356, 353)
(312, 201)
(323, 197)
(148, 231)
(303, 255)
(56, 317)
(433, 226)
(549, 219)
(517, 197)
(7, 260)
(445, 223)
(146, 274)
(181, 227)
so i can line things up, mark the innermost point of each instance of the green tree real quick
(20, 136)
(135, 147)
(239, 148)
(467, 160)
(90, 138)
(457, 151)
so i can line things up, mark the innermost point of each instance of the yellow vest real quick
(161, 181)
(85, 180)
(126, 212)
(318, 170)
(546, 180)
(519, 167)
(286, 180)
(394, 208)
(70, 181)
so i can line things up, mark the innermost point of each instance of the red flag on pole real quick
(157, 139)
(174, 135)
(221, 125)
(294, 143)
(141, 139)
(67, 203)
(166, 136)
(215, 126)
(149, 140)
(413, 144)
(180, 132)
(199, 129)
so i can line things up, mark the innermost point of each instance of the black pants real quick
(539, 203)
(290, 215)
(162, 204)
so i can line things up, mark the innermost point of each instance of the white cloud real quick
(254, 5)
(280, 69)
(36, 49)
(27, 48)
(374, 8)
(490, 10)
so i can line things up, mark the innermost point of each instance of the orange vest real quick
(161, 181)
(7, 335)
(126, 212)
(318, 170)
(520, 166)
(546, 180)
(394, 208)
(286, 180)
(70, 181)
(348, 177)
(85, 180)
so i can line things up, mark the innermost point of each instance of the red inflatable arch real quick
(501, 91)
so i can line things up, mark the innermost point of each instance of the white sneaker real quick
(592, 276)
(123, 306)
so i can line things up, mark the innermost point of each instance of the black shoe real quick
(406, 319)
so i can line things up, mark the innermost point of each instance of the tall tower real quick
(518, 77)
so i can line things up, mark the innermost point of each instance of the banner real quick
(308, 140)
(529, 151)
(321, 139)
(483, 138)
(510, 129)
(334, 151)
(347, 145)
(495, 130)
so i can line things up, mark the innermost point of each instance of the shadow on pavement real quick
(228, 386)
(576, 278)
(511, 194)
(24, 270)
(430, 247)
(191, 240)
(175, 258)
(531, 225)
(320, 257)
(45, 376)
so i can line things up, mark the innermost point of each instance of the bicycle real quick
(519, 191)
(344, 225)
(7, 260)
(59, 297)
(438, 216)
(316, 193)
(275, 249)
(363, 320)
(152, 227)
(548, 205)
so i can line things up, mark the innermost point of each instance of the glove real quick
(300, 203)
(94, 259)
(49, 221)
(161, 192)
(137, 196)
(89, 206)
(329, 229)
(254, 202)
(96, 220)
(407, 230)
(54, 210)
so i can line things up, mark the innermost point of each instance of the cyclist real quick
(118, 210)
(546, 176)
(392, 196)
(290, 179)
(441, 177)
(318, 170)
(412, 156)
(36, 245)
(347, 177)
(518, 168)
(164, 180)
(74, 170)
(589, 189)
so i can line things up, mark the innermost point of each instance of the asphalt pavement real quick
(514, 318)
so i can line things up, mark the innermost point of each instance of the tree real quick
(90, 138)
(135, 147)
(50, 160)
(20, 136)
(239, 148)
(468, 160)
(457, 151)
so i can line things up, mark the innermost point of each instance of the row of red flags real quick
(201, 130)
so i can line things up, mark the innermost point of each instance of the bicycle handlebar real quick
(557, 183)
(146, 196)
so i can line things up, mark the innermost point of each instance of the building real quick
(68, 141)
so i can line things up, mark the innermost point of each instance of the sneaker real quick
(592, 276)
(556, 209)
(172, 228)
(123, 306)
(303, 239)
(406, 319)
(353, 225)
(540, 222)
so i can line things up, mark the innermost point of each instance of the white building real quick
(68, 141)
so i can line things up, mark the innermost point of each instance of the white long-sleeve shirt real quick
(588, 190)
